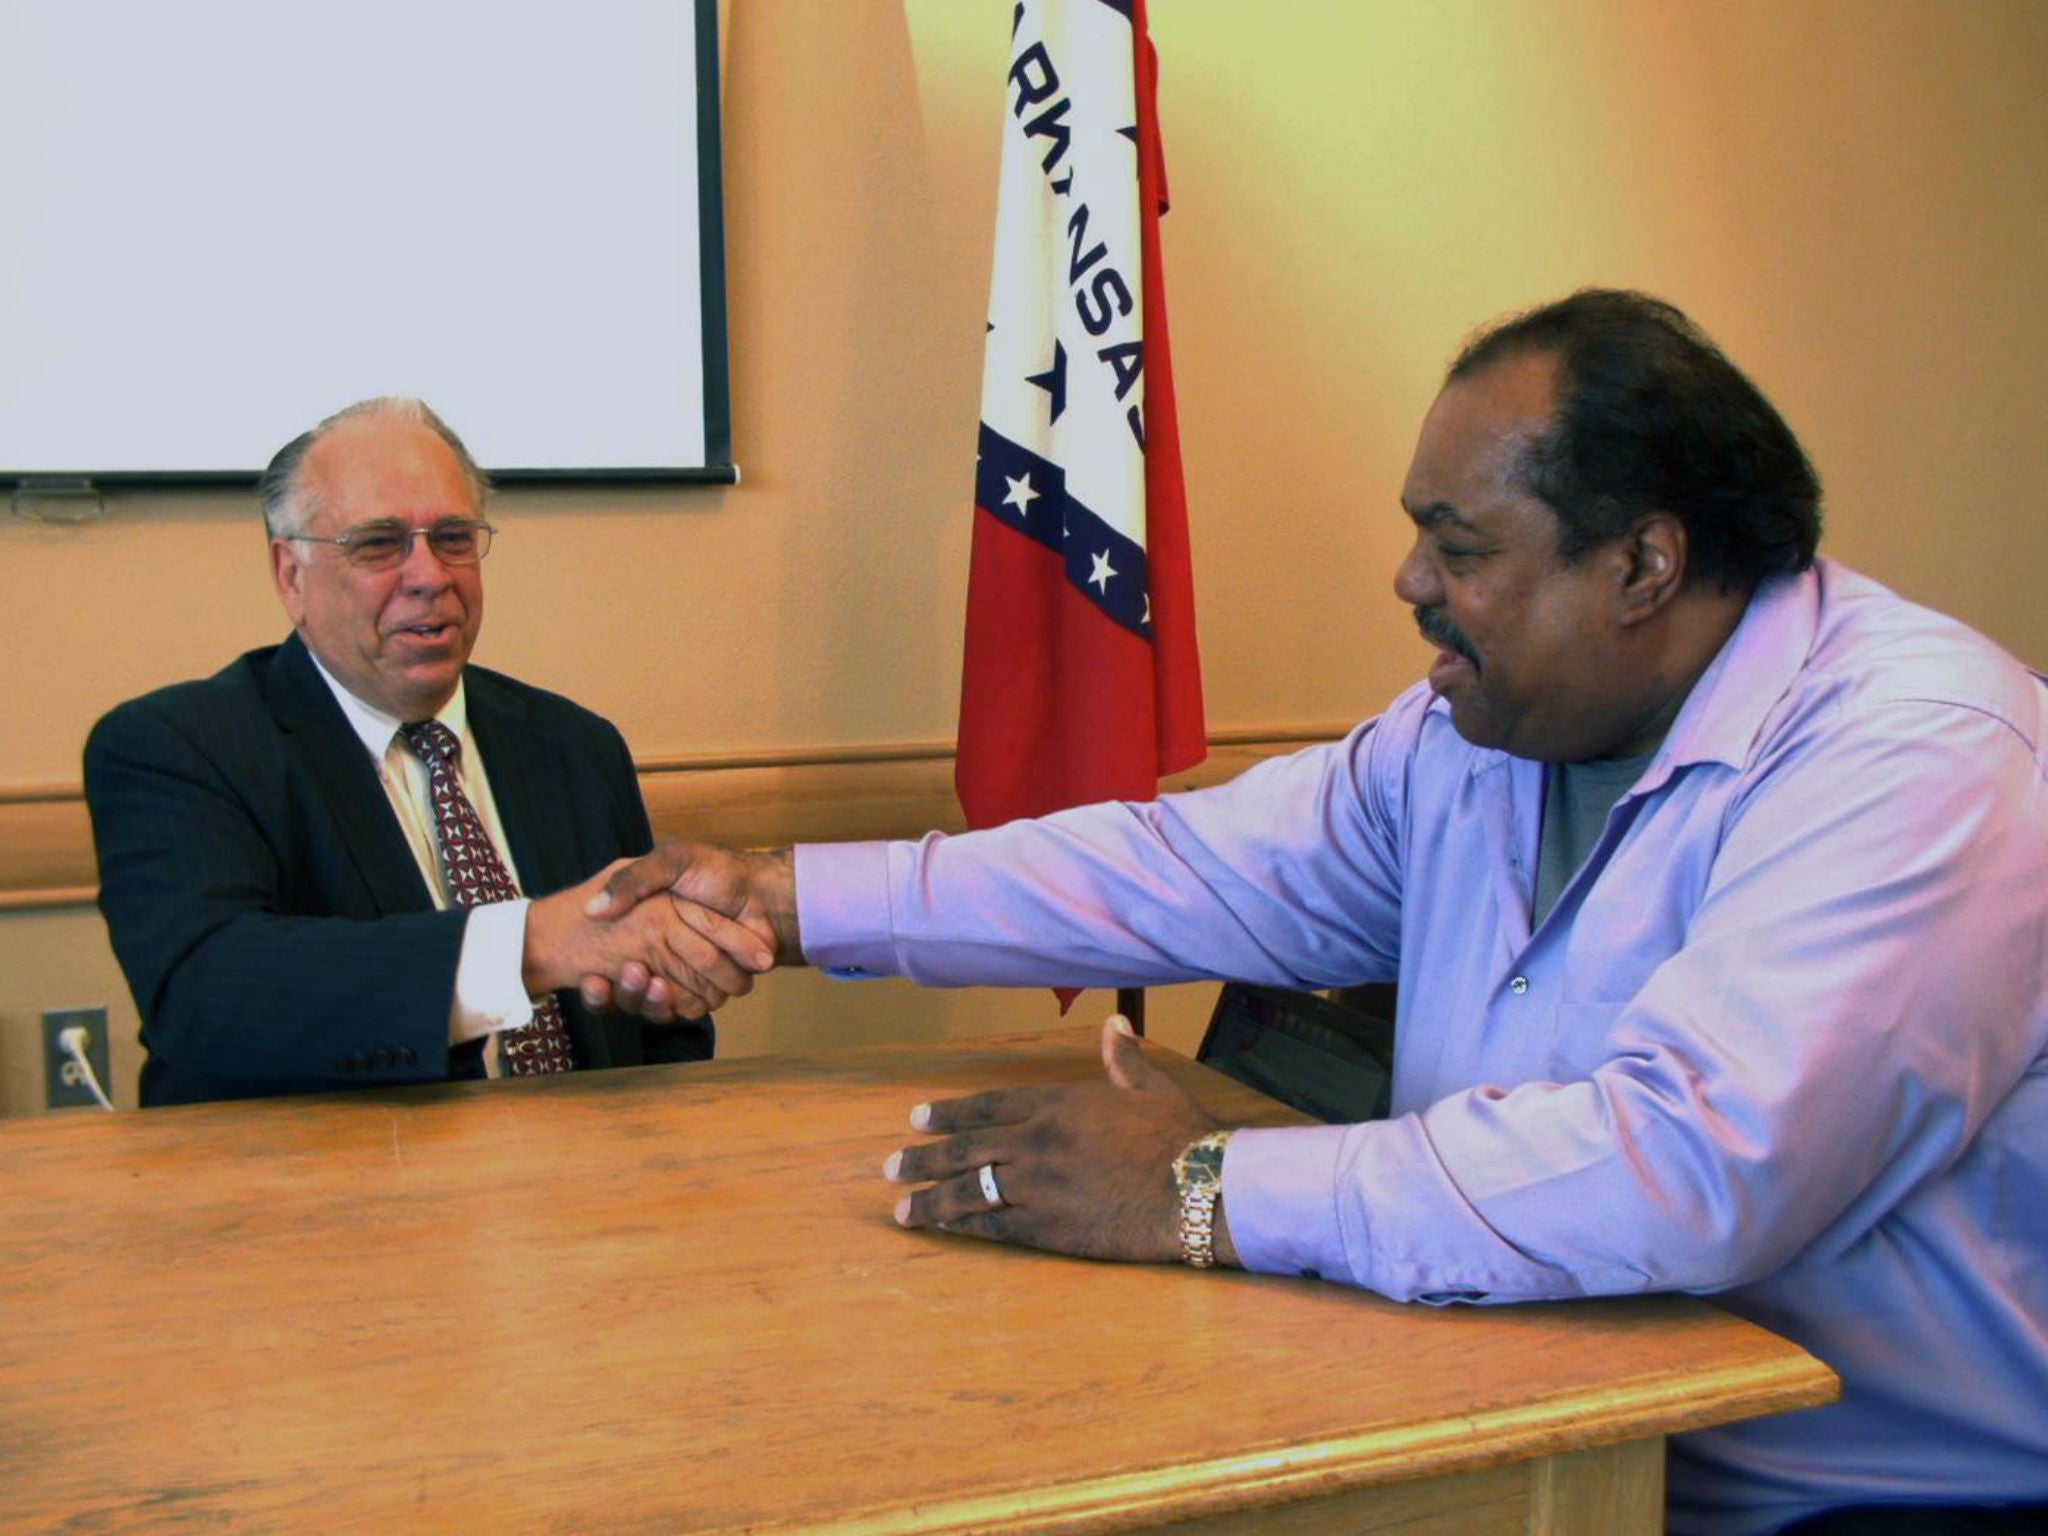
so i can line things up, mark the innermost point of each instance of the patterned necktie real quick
(477, 875)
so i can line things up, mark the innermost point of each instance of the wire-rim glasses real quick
(384, 546)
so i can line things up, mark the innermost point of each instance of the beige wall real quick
(1848, 195)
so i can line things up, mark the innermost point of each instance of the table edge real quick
(1286, 1474)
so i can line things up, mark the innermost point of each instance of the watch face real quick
(1201, 1164)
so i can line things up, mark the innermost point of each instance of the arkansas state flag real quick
(1081, 680)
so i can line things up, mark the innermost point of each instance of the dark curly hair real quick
(1652, 417)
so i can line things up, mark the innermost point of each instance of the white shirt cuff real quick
(490, 985)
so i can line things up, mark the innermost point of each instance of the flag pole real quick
(1130, 1002)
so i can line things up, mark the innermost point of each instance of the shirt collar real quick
(376, 728)
(1755, 669)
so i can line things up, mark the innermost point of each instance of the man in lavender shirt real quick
(1712, 875)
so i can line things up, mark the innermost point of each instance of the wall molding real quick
(751, 799)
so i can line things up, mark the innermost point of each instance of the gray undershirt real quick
(1576, 800)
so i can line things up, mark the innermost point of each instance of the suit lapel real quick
(333, 755)
(527, 781)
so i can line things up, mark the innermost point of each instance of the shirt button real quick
(1519, 985)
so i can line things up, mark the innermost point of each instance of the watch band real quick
(1198, 1176)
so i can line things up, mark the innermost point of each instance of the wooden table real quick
(673, 1299)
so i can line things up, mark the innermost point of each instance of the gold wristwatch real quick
(1198, 1175)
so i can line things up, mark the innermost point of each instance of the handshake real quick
(671, 935)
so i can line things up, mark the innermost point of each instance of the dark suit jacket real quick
(263, 902)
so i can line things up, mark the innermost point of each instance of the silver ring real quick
(991, 1191)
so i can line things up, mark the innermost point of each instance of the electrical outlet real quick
(67, 1087)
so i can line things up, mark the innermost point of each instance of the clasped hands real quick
(1082, 1168)
(672, 935)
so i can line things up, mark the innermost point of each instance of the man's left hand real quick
(1085, 1169)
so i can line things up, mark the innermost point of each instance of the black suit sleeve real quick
(212, 854)
(636, 833)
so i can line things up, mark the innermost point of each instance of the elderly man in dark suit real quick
(353, 858)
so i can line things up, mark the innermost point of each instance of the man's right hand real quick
(742, 903)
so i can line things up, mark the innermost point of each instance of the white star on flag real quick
(1021, 494)
(1099, 577)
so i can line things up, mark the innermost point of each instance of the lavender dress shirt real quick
(1784, 1038)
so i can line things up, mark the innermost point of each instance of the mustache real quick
(1439, 631)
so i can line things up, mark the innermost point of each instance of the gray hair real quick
(289, 505)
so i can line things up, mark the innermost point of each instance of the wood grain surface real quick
(673, 1299)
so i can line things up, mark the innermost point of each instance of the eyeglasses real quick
(386, 546)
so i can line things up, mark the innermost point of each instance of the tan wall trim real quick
(45, 848)
(753, 799)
